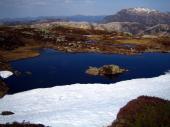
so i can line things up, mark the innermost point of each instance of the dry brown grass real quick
(20, 53)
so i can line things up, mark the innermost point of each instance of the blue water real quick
(54, 68)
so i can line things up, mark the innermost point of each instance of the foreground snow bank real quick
(5, 74)
(90, 105)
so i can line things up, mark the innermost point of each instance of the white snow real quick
(147, 10)
(5, 74)
(88, 105)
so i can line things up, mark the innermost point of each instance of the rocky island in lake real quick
(105, 70)
(60, 69)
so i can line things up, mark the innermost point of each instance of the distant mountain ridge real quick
(84, 18)
(133, 20)
(29, 20)
(44, 19)
(145, 16)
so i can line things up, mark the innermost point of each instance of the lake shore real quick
(21, 42)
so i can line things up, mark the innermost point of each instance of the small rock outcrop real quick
(3, 88)
(105, 70)
(144, 112)
(7, 113)
(24, 124)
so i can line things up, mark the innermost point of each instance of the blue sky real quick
(34, 8)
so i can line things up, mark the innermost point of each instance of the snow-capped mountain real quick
(145, 16)
(142, 10)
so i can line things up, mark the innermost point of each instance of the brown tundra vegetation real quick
(144, 112)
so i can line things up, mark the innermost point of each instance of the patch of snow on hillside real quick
(147, 10)
(5, 74)
(88, 105)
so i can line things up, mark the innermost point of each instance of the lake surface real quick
(54, 68)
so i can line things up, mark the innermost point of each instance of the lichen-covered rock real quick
(105, 70)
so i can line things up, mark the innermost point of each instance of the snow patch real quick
(147, 10)
(5, 74)
(88, 105)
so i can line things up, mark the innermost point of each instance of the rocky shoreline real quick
(25, 41)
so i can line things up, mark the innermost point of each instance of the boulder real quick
(105, 70)
(6, 113)
(92, 71)
(28, 73)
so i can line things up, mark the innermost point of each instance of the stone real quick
(93, 71)
(28, 73)
(105, 70)
(5, 113)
